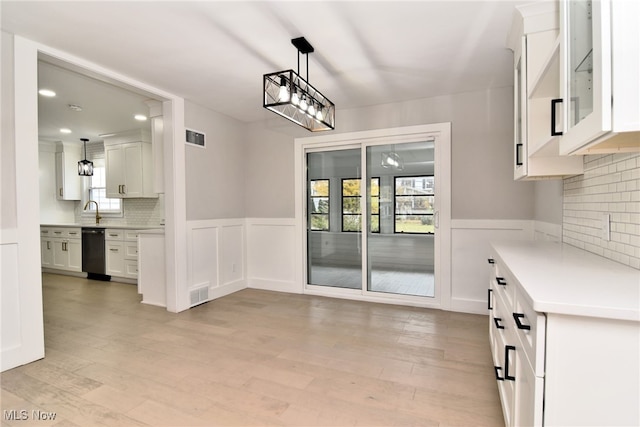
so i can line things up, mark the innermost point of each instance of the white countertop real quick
(112, 226)
(562, 279)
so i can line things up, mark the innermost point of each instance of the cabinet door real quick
(133, 170)
(585, 55)
(114, 170)
(60, 254)
(74, 251)
(528, 393)
(520, 111)
(46, 249)
(115, 258)
(60, 176)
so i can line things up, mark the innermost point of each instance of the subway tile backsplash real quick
(610, 186)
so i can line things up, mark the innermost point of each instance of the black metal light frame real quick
(85, 167)
(320, 112)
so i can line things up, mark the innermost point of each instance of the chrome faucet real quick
(97, 210)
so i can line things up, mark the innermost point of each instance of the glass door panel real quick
(580, 48)
(401, 217)
(334, 219)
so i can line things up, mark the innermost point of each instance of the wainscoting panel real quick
(216, 257)
(271, 254)
(469, 252)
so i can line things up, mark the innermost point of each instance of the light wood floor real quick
(252, 358)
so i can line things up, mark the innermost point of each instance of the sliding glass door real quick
(401, 202)
(395, 204)
(334, 217)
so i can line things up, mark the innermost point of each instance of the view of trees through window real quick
(319, 204)
(351, 212)
(414, 200)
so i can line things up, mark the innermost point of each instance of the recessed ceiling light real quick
(65, 130)
(140, 117)
(47, 92)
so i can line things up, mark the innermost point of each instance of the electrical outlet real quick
(606, 227)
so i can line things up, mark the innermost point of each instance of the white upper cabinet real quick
(534, 39)
(68, 183)
(129, 165)
(600, 76)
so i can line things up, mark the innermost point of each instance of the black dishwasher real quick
(93, 254)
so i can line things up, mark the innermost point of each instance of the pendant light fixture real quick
(292, 97)
(85, 167)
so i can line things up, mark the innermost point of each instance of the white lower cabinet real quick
(559, 368)
(519, 386)
(115, 258)
(121, 248)
(61, 248)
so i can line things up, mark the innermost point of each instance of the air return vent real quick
(198, 296)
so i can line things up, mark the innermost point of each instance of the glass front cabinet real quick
(534, 39)
(599, 76)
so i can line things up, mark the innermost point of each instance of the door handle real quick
(507, 349)
(48, 245)
(60, 191)
(554, 111)
(436, 219)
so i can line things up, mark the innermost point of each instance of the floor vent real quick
(200, 295)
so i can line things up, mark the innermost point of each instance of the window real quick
(351, 213)
(97, 191)
(414, 199)
(319, 204)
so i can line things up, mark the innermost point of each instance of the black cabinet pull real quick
(501, 281)
(497, 321)
(507, 349)
(491, 261)
(498, 369)
(519, 324)
(489, 306)
(518, 154)
(554, 103)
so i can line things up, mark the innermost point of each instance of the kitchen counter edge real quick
(561, 279)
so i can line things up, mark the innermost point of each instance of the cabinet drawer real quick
(114, 234)
(131, 235)
(530, 329)
(67, 233)
(504, 283)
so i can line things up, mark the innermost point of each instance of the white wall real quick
(482, 175)
(7, 160)
(215, 175)
(269, 173)
(22, 333)
(482, 183)
(548, 201)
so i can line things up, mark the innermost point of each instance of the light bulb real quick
(303, 103)
(319, 113)
(283, 96)
(311, 110)
(294, 98)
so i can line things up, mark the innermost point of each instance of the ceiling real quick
(214, 53)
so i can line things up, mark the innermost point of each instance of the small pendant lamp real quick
(85, 167)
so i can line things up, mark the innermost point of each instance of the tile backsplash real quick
(610, 186)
